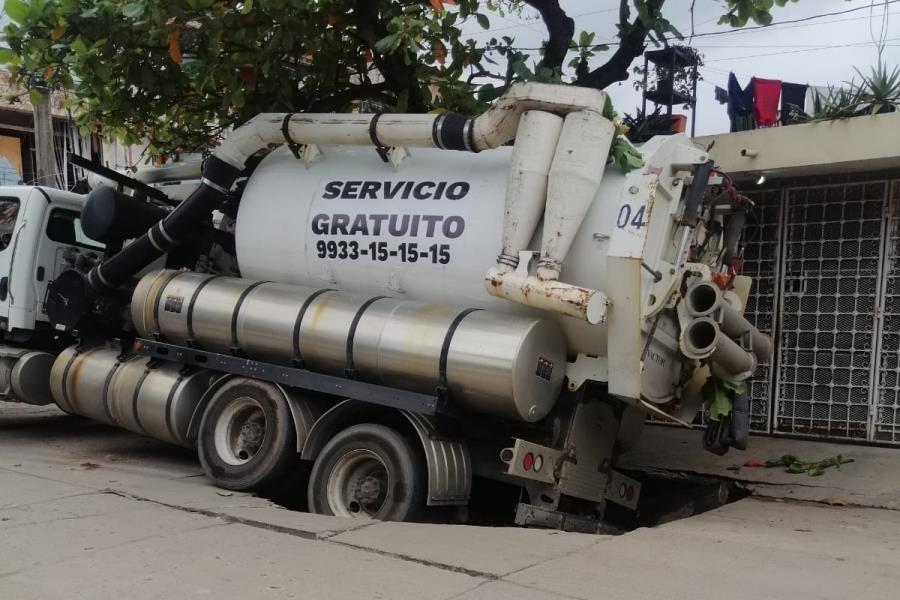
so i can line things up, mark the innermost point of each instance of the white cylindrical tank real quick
(427, 230)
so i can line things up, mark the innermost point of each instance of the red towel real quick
(766, 93)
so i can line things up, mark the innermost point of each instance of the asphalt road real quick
(90, 512)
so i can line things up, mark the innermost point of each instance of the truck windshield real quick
(64, 226)
(9, 210)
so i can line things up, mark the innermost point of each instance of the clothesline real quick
(763, 102)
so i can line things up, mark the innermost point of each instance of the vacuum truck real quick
(396, 304)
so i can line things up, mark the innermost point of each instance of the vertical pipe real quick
(575, 176)
(526, 184)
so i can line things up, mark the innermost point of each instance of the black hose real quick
(218, 177)
(732, 237)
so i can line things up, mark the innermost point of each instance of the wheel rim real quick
(240, 431)
(357, 485)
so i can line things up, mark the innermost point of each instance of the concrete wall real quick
(867, 143)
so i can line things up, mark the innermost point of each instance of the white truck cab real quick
(40, 237)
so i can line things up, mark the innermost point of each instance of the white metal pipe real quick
(705, 299)
(574, 179)
(526, 184)
(556, 296)
(493, 128)
(703, 339)
(498, 124)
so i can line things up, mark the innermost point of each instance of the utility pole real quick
(45, 155)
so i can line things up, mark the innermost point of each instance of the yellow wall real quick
(10, 158)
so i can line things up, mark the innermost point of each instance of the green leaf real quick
(7, 56)
(522, 70)
(738, 387)
(78, 46)
(717, 399)
(483, 21)
(585, 39)
(246, 6)
(763, 17)
(35, 97)
(384, 45)
(17, 10)
(133, 10)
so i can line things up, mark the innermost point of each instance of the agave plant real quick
(881, 89)
(878, 92)
(837, 103)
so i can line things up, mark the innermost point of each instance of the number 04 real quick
(625, 219)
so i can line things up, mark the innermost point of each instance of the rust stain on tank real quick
(72, 376)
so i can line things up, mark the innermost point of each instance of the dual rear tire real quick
(247, 441)
(368, 471)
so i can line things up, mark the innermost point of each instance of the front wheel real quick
(369, 471)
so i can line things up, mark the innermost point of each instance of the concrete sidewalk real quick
(90, 512)
(871, 480)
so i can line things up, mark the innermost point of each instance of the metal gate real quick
(832, 265)
(761, 262)
(886, 416)
(825, 263)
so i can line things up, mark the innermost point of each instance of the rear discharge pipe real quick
(703, 339)
(705, 299)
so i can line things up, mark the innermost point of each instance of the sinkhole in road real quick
(664, 498)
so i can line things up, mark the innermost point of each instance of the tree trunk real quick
(631, 47)
(45, 155)
(560, 30)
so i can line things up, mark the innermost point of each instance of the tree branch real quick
(560, 29)
(630, 47)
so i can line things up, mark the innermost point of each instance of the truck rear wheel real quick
(247, 439)
(369, 471)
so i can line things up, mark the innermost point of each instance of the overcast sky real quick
(819, 52)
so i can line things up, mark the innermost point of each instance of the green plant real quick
(878, 92)
(642, 126)
(880, 89)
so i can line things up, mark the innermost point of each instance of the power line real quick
(792, 21)
(829, 47)
(773, 26)
(804, 25)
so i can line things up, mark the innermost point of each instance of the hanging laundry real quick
(793, 102)
(740, 104)
(721, 95)
(766, 93)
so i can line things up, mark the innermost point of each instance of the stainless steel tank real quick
(506, 365)
(156, 400)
